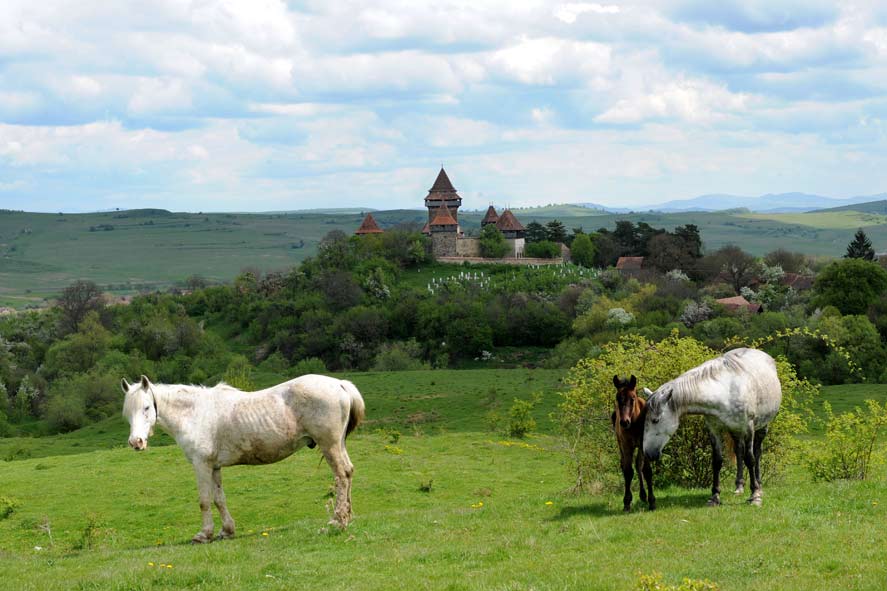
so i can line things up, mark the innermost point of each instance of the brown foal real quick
(628, 421)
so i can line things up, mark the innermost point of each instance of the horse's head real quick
(661, 422)
(626, 400)
(140, 409)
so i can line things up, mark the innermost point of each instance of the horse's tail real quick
(358, 408)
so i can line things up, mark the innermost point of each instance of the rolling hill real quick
(127, 251)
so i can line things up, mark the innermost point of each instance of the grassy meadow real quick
(441, 502)
(128, 251)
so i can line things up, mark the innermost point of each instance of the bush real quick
(584, 413)
(492, 243)
(542, 250)
(520, 416)
(309, 365)
(654, 583)
(66, 413)
(849, 443)
(400, 356)
(7, 507)
(239, 373)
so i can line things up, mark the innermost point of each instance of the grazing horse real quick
(628, 421)
(738, 392)
(222, 426)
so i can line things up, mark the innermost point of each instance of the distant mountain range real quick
(770, 203)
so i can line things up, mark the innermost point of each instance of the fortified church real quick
(448, 241)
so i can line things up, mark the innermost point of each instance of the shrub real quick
(849, 443)
(7, 507)
(584, 413)
(542, 250)
(694, 313)
(520, 416)
(239, 373)
(309, 365)
(654, 583)
(492, 242)
(400, 356)
(66, 413)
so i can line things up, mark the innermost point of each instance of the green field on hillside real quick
(126, 251)
(442, 504)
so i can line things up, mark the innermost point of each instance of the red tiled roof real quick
(443, 217)
(442, 188)
(508, 223)
(369, 226)
(491, 217)
(796, 281)
(630, 263)
(426, 228)
(738, 303)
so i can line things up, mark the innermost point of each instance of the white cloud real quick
(685, 100)
(533, 99)
(568, 13)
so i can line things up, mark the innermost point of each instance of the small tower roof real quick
(508, 223)
(369, 226)
(491, 216)
(442, 189)
(444, 217)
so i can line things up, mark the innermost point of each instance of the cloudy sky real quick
(236, 105)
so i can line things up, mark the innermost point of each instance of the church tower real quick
(442, 194)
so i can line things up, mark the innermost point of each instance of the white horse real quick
(738, 392)
(223, 426)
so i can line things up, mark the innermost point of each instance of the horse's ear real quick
(146, 383)
(632, 382)
(124, 385)
(616, 381)
(666, 397)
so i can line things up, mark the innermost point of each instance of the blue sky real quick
(229, 105)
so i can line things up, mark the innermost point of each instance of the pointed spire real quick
(491, 216)
(508, 223)
(442, 184)
(369, 226)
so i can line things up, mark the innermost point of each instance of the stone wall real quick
(468, 247)
(443, 244)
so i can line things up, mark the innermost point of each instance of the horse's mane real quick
(688, 384)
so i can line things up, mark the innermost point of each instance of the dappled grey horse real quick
(738, 392)
(223, 426)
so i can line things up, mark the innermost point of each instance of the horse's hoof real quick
(756, 499)
(653, 506)
(201, 539)
(223, 535)
(714, 502)
(739, 490)
(626, 509)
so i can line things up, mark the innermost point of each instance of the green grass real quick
(111, 512)
(841, 220)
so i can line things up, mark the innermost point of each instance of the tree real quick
(739, 267)
(582, 251)
(555, 232)
(851, 285)
(627, 239)
(791, 262)
(860, 247)
(692, 240)
(606, 249)
(667, 252)
(492, 242)
(76, 301)
(535, 232)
